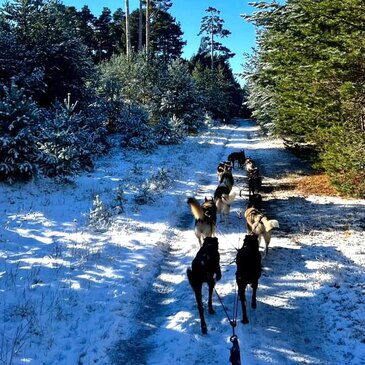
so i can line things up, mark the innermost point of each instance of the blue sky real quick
(189, 13)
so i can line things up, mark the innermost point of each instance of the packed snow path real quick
(293, 324)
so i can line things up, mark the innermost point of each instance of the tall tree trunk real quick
(140, 27)
(147, 28)
(211, 51)
(127, 30)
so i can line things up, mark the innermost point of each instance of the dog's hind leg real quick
(242, 295)
(254, 290)
(198, 235)
(210, 298)
(199, 301)
(267, 239)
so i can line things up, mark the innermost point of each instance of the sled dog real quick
(237, 156)
(248, 260)
(205, 268)
(257, 223)
(223, 199)
(205, 218)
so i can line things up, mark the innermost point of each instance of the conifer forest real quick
(72, 83)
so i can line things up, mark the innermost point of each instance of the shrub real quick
(100, 217)
(70, 140)
(19, 117)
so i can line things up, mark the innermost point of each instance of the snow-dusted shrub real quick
(109, 90)
(160, 181)
(144, 195)
(180, 96)
(136, 169)
(118, 204)
(169, 131)
(134, 80)
(94, 121)
(193, 123)
(156, 184)
(19, 118)
(64, 143)
(100, 217)
(70, 140)
(136, 133)
(208, 120)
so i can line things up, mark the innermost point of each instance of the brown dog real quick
(205, 218)
(258, 224)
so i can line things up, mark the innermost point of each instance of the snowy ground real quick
(69, 295)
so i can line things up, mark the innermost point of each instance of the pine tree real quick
(100, 217)
(165, 132)
(46, 31)
(86, 23)
(68, 141)
(18, 135)
(180, 95)
(307, 82)
(212, 26)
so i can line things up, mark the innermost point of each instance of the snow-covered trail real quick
(170, 287)
(71, 294)
(290, 324)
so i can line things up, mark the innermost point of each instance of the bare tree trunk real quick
(127, 30)
(140, 27)
(211, 51)
(147, 28)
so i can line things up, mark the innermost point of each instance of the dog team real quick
(205, 267)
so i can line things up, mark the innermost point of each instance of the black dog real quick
(205, 268)
(237, 156)
(255, 201)
(248, 262)
(254, 181)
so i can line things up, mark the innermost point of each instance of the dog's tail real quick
(196, 209)
(270, 224)
(228, 199)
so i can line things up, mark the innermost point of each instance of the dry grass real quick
(315, 185)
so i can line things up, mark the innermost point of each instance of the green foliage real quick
(69, 140)
(166, 35)
(134, 80)
(343, 156)
(212, 27)
(19, 121)
(306, 78)
(161, 90)
(100, 216)
(118, 204)
(51, 48)
(180, 97)
(221, 93)
(168, 131)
